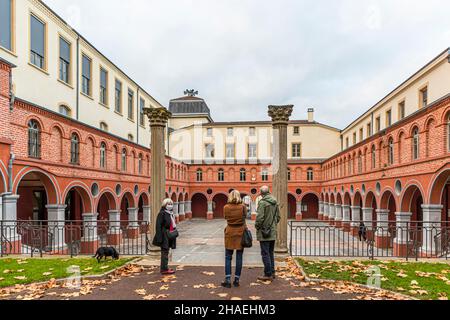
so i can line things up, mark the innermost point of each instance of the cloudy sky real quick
(338, 56)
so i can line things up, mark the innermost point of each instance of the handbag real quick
(172, 235)
(247, 239)
(266, 232)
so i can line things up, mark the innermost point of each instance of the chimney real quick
(311, 115)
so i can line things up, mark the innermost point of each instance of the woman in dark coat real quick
(235, 213)
(165, 225)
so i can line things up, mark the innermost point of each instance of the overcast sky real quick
(338, 56)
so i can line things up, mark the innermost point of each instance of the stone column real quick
(326, 211)
(254, 212)
(280, 118)
(176, 211)
(356, 220)
(403, 236)
(133, 223)
(346, 217)
(89, 242)
(8, 203)
(299, 213)
(332, 214)
(321, 210)
(189, 210)
(368, 221)
(338, 218)
(147, 212)
(210, 213)
(432, 216)
(382, 235)
(114, 235)
(56, 228)
(158, 120)
(181, 212)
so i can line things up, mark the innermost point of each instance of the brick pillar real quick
(332, 215)
(403, 227)
(338, 217)
(356, 220)
(56, 228)
(432, 216)
(9, 217)
(346, 217)
(382, 235)
(326, 211)
(181, 212)
(114, 235)
(299, 214)
(189, 210)
(210, 213)
(321, 210)
(89, 241)
(133, 223)
(147, 212)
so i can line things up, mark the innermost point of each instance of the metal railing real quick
(74, 238)
(347, 239)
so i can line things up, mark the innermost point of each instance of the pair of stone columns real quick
(210, 212)
(298, 212)
(321, 210)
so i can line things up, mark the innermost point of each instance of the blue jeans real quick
(229, 259)
(268, 257)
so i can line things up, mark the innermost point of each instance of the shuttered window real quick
(37, 38)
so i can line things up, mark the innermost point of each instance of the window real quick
(361, 134)
(221, 175)
(388, 118)
(86, 75)
(124, 160)
(265, 175)
(347, 143)
(209, 132)
(252, 131)
(6, 19)
(378, 124)
(103, 155)
(416, 141)
(289, 174)
(423, 98)
(74, 149)
(252, 150)
(103, 86)
(374, 157)
(130, 137)
(199, 175)
(230, 150)
(360, 164)
(369, 129)
(141, 113)
(34, 139)
(37, 46)
(296, 150)
(391, 151)
(350, 162)
(118, 97)
(296, 131)
(310, 174)
(103, 126)
(130, 105)
(230, 132)
(243, 175)
(209, 151)
(64, 60)
(401, 110)
(354, 138)
(64, 110)
(140, 164)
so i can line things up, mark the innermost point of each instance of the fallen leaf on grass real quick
(20, 278)
(6, 271)
(46, 274)
(104, 267)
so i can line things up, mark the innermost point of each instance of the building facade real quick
(74, 143)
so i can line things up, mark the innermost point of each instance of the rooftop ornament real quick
(191, 93)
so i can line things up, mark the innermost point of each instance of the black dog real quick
(105, 252)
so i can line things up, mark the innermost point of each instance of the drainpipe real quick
(78, 79)
(10, 171)
(138, 113)
(12, 97)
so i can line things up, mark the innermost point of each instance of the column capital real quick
(158, 116)
(146, 207)
(355, 208)
(338, 205)
(114, 211)
(9, 197)
(56, 207)
(367, 209)
(433, 207)
(280, 114)
(346, 206)
(382, 211)
(89, 215)
(403, 214)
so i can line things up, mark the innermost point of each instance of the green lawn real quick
(420, 280)
(26, 271)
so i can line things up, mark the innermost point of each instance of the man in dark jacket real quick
(165, 223)
(266, 225)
